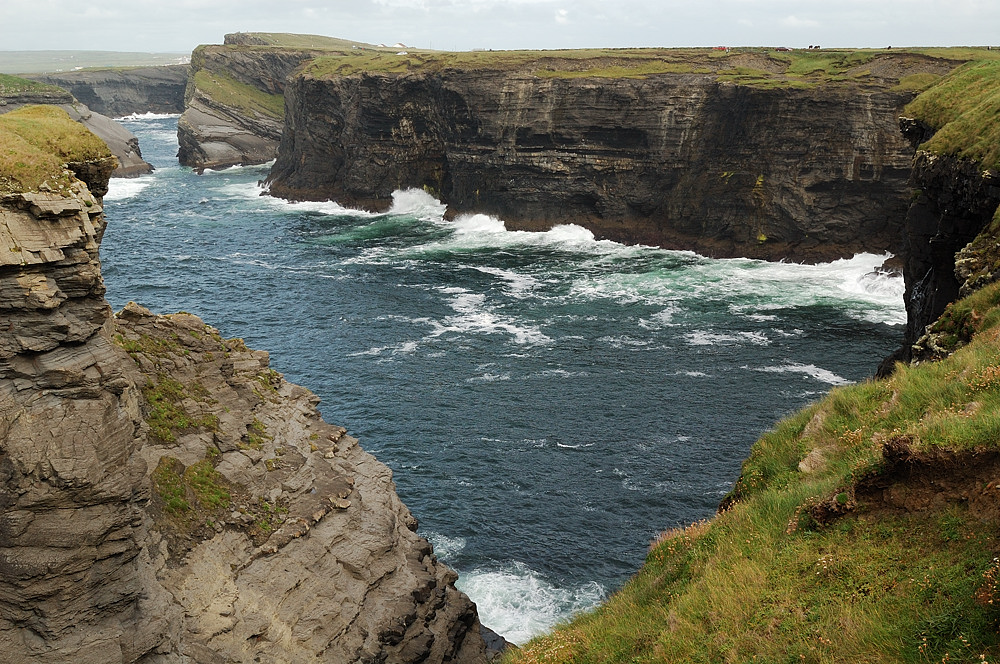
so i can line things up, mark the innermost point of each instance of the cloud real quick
(796, 22)
(562, 16)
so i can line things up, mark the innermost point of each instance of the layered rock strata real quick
(72, 489)
(276, 535)
(675, 160)
(167, 497)
(234, 110)
(123, 91)
(954, 201)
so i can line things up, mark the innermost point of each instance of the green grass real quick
(964, 109)
(774, 578)
(12, 85)
(226, 90)
(792, 69)
(166, 413)
(35, 144)
(194, 490)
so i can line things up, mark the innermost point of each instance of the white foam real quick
(705, 338)
(149, 116)
(120, 189)
(810, 370)
(518, 285)
(446, 548)
(517, 603)
(416, 202)
(472, 316)
(488, 378)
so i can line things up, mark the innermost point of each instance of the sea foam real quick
(517, 603)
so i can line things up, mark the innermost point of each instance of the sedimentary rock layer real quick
(955, 201)
(71, 484)
(680, 161)
(122, 143)
(166, 497)
(233, 105)
(123, 91)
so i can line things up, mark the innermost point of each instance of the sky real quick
(180, 25)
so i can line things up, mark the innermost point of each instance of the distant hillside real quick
(39, 62)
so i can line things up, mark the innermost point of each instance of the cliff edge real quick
(165, 496)
(864, 527)
(754, 153)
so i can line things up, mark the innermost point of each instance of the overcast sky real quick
(180, 25)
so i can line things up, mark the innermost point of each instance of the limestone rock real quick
(166, 497)
(124, 91)
(681, 161)
(327, 566)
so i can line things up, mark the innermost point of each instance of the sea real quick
(548, 402)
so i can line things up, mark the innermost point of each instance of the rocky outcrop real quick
(308, 555)
(675, 160)
(954, 201)
(72, 534)
(166, 497)
(234, 109)
(122, 143)
(123, 91)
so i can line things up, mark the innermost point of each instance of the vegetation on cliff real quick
(863, 528)
(758, 67)
(13, 85)
(36, 143)
(963, 110)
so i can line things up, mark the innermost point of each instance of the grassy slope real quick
(36, 142)
(807, 567)
(760, 67)
(964, 108)
(13, 85)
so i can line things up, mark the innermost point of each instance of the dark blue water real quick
(548, 402)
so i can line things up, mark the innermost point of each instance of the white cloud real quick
(796, 22)
(562, 16)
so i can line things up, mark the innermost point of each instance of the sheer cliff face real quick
(118, 92)
(233, 110)
(166, 497)
(672, 160)
(71, 484)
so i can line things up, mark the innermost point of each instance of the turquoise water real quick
(548, 402)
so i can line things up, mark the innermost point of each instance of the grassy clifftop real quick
(760, 67)
(964, 110)
(865, 528)
(905, 69)
(36, 142)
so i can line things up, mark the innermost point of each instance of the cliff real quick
(165, 496)
(17, 93)
(864, 527)
(729, 156)
(950, 234)
(124, 90)
(233, 105)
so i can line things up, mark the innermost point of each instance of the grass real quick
(199, 488)
(12, 85)
(799, 68)
(771, 580)
(166, 413)
(35, 144)
(964, 109)
(226, 90)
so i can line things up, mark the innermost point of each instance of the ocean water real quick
(548, 402)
